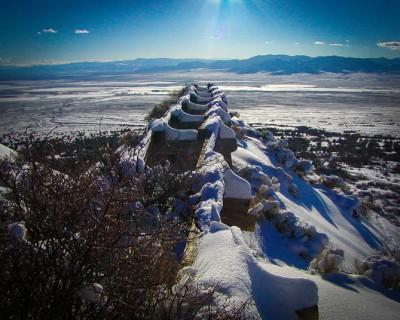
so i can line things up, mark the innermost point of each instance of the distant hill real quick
(281, 64)
(274, 64)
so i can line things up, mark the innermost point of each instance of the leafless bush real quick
(365, 209)
(159, 109)
(100, 243)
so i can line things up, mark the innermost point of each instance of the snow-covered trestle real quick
(197, 129)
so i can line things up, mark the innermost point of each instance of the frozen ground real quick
(354, 102)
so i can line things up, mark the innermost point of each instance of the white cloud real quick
(391, 45)
(49, 31)
(268, 42)
(319, 42)
(81, 31)
(336, 45)
(220, 37)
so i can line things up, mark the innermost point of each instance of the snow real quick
(214, 123)
(344, 296)
(6, 152)
(305, 227)
(17, 230)
(236, 187)
(118, 102)
(193, 106)
(381, 270)
(176, 110)
(315, 219)
(226, 259)
(225, 117)
(287, 157)
(329, 212)
(195, 97)
(327, 262)
(92, 293)
(171, 133)
(217, 101)
(211, 193)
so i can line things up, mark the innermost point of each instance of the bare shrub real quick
(365, 209)
(98, 243)
(159, 109)
(130, 139)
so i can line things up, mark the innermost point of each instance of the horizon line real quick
(60, 63)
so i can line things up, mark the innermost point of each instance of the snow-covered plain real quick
(335, 102)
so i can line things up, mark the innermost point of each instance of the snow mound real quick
(382, 271)
(305, 240)
(230, 263)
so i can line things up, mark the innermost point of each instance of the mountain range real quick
(273, 64)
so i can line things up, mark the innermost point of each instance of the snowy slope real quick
(330, 213)
(267, 264)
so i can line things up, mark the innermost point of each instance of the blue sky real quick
(54, 31)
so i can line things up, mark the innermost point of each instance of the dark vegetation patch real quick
(159, 109)
(104, 234)
(332, 153)
(73, 152)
